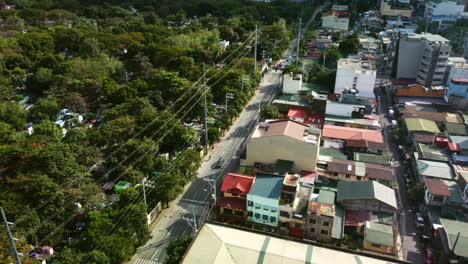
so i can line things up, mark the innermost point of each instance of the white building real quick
(457, 67)
(454, 8)
(292, 83)
(357, 76)
(341, 109)
(422, 57)
(336, 20)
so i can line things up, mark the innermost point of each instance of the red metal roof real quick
(460, 80)
(308, 177)
(356, 218)
(350, 133)
(454, 146)
(233, 203)
(297, 112)
(436, 186)
(237, 183)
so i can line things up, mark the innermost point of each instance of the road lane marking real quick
(154, 254)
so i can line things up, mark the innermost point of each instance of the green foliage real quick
(331, 57)
(47, 130)
(270, 112)
(177, 248)
(416, 193)
(12, 113)
(36, 44)
(44, 109)
(349, 45)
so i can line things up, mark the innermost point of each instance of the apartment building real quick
(355, 76)
(422, 57)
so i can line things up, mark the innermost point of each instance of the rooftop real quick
(267, 186)
(218, 244)
(437, 186)
(462, 141)
(377, 233)
(326, 197)
(286, 127)
(373, 171)
(431, 152)
(350, 133)
(237, 183)
(428, 36)
(350, 120)
(348, 190)
(371, 158)
(414, 112)
(456, 229)
(456, 129)
(333, 153)
(356, 64)
(283, 166)
(434, 169)
(418, 124)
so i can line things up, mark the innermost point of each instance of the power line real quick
(11, 238)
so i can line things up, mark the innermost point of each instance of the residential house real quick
(456, 129)
(327, 154)
(284, 139)
(383, 159)
(263, 201)
(423, 128)
(366, 195)
(320, 216)
(414, 112)
(349, 170)
(462, 181)
(337, 20)
(459, 144)
(353, 139)
(434, 169)
(379, 237)
(438, 192)
(288, 195)
(292, 83)
(303, 116)
(356, 77)
(366, 122)
(394, 8)
(454, 238)
(233, 204)
(431, 152)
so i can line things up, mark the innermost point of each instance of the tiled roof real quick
(413, 112)
(356, 190)
(267, 186)
(373, 171)
(237, 183)
(349, 133)
(423, 138)
(436, 186)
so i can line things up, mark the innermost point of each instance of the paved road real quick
(411, 245)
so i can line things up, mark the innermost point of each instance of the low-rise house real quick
(327, 154)
(459, 144)
(303, 116)
(292, 83)
(434, 169)
(366, 195)
(355, 76)
(438, 192)
(415, 112)
(383, 159)
(335, 108)
(263, 201)
(349, 170)
(335, 19)
(362, 122)
(320, 216)
(462, 181)
(418, 90)
(431, 152)
(454, 238)
(233, 203)
(287, 140)
(353, 139)
(419, 125)
(456, 129)
(379, 237)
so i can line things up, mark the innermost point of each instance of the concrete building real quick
(457, 82)
(232, 204)
(450, 8)
(263, 201)
(355, 76)
(292, 83)
(422, 57)
(284, 139)
(366, 195)
(395, 8)
(334, 19)
(379, 237)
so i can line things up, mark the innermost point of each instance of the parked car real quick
(219, 163)
(394, 123)
(391, 112)
(419, 221)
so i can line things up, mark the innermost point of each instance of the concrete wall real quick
(270, 149)
(381, 248)
(259, 205)
(409, 57)
(292, 85)
(344, 79)
(318, 226)
(365, 84)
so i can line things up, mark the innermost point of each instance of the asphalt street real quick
(411, 246)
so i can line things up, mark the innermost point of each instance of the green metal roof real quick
(348, 190)
(338, 227)
(379, 234)
(326, 197)
(456, 129)
(456, 195)
(331, 152)
(434, 169)
(385, 218)
(418, 124)
(318, 88)
(432, 153)
(295, 100)
(456, 229)
(350, 120)
(461, 140)
(383, 159)
(267, 186)
(283, 166)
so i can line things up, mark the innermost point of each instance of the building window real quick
(265, 217)
(266, 208)
(313, 221)
(284, 214)
(257, 215)
(258, 206)
(437, 198)
(273, 210)
(324, 232)
(326, 224)
(227, 210)
(347, 176)
(238, 213)
(272, 219)
(375, 245)
(249, 213)
(312, 230)
(250, 203)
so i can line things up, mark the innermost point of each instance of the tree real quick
(47, 130)
(118, 130)
(12, 113)
(76, 103)
(44, 109)
(36, 44)
(349, 45)
(331, 57)
(40, 81)
(416, 193)
(270, 112)
(177, 248)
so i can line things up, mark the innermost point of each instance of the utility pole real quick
(212, 183)
(205, 90)
(11, 238)
(146, 183)
(255, 50)
(324, 59)
(298, 40)
(228, 96)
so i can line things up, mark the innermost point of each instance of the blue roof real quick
(267, 186)
(458, 158)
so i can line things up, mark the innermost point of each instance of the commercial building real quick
(284, 139)
(337, 20)
(422, 57)
(355, 76)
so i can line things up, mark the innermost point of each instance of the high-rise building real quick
(422, 57)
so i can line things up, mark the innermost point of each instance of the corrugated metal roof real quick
(355, 190)
(377, 233)
(418, 124)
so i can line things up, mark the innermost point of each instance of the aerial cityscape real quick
(233, 131)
